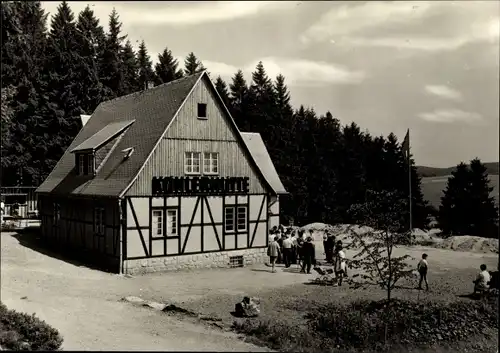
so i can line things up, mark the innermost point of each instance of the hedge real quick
(19, 331)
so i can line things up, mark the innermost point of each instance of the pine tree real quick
(284, 156)
(11, 37)
(394, 177)
(241, 101)
(192, 65)
(262, 117)
(130, 69)
(90, 41)
(145, 66)
(6, 119)
(24, 49)
(325, 172)
(483, 210)
(375, 163)
(282, 118)
(455, 202)
(221, 88)
(111, 70)
(298, 204)
(352, 172)
(62, 108)
(167, 68)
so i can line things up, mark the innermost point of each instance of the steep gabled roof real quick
(259, 153)
(152, 110)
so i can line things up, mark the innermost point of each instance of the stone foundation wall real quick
(183, 262)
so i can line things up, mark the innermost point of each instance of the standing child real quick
(340, 263)
(422, 268)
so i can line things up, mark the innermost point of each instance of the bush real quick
(19, 331)
(364, 324)
(377, 325)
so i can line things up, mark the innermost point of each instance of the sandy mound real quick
(470, 243)
(430, 238)
(341, 231)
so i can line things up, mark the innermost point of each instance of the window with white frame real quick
(99, 220)
(211, 163)
(241, 219)
(235, 218)
(229, 219)
(157, 218)
(57, 213)
(172, 229)
(192, 162)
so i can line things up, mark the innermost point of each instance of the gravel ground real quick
(290, 303)
(85, 305)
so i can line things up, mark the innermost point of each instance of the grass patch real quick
(376, 326)
(19, 331)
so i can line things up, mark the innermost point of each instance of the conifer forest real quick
(55, 69)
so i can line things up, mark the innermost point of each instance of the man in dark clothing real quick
(300, 245)
(330, 245)
(308, 255)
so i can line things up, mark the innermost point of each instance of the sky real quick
(428, 66)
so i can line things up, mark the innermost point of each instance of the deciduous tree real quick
(375, 260)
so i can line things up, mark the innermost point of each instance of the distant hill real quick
(433, 187)
(428, 172)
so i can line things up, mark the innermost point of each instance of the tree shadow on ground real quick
(31, 238)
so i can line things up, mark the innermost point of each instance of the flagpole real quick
(409, 182)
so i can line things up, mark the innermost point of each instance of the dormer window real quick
(81, 164)
(90, 164)
(85, 164)
(202, 111)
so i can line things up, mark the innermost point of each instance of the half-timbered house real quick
(163, 179)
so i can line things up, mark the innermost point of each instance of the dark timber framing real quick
(75, 230)
(130, 204)
(186, 228)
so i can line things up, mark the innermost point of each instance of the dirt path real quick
(84, 305)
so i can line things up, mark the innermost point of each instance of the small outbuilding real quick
(163, 179)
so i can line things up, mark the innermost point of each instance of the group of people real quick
(295, 247)
(288, 248)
